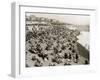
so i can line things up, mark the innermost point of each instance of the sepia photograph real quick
(53, 39)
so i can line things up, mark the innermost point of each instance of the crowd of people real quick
(52, 45)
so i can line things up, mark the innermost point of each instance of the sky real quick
(68, 18)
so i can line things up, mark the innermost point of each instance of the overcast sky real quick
(73, 19)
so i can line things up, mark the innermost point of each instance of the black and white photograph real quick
(54, 39)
